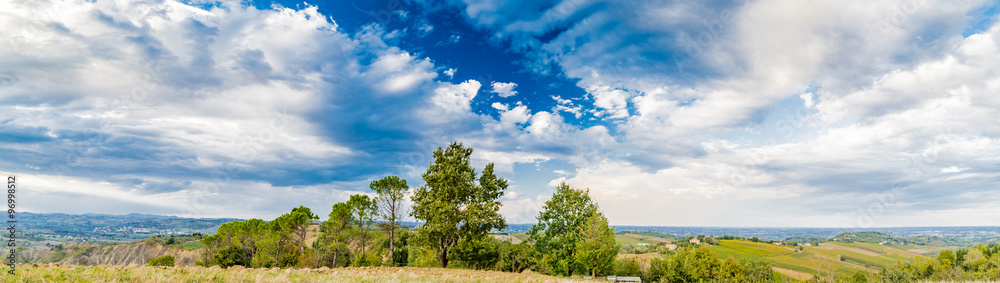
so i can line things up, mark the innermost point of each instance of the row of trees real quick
(458, 207)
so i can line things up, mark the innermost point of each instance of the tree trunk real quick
(392, 246)
(277, 255)
(592, 273)
(335, 253)
(444, 257)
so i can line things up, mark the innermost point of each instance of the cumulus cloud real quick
(504, 89)
(883, 95)
(711, 109)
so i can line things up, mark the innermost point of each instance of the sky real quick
(776, 113)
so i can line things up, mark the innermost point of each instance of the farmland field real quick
(813, 260)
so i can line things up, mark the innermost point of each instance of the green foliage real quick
(556, 234)
(255, 243)
(627, 266)
(597, 248)
(477, 253)
(451, 204)
(702, 265)
(331, 244)
(421, 256)
(230, 256)
(979, 263)
(167, 260)
(363, 212)
(516, 257)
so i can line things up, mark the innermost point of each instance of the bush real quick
(167, 260)
(230, 256)
(628, 266)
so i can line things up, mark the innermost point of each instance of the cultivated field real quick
(56, 273)
(828, 258)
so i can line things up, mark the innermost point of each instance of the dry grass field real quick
(56, 273)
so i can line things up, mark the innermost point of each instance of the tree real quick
(300, 219)
(597, 249)
(556, 232)
(332, 240)
(230, 256)
(363, 210)
(391, 191)
(452, 205)
(289, 228)
(247, 234)
(477, 253)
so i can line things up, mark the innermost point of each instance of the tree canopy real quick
(451, 203)
(557, 232)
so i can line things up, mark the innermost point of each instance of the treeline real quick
(459, 209)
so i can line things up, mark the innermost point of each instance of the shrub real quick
(167, 260)
(230, 256)
(628, 267)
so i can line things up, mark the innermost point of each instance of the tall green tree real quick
(290, 230)
(299, 222)
(333, 237)
(363, 211)
(452, 205)
(557, 233)
(391, 192)
(597, 249)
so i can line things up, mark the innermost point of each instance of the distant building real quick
(695, 241)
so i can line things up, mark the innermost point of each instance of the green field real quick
(823, 259)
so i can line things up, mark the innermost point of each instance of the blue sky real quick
(673, 113)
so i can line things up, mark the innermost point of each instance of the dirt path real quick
(794, 274)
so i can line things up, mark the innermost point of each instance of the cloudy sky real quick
(673, 113)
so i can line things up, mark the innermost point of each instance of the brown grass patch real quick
(53, 273)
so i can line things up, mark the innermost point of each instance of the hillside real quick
(138, 252)
(831, 258)
(922, 240)
(62, 273)
(59, 227)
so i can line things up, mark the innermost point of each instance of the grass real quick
(193, 245)
(737, 247)
(54, 273)
(632, 240)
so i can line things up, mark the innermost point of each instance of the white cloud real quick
(504, 89)
(424, 28)
(953, 169)
(450, 72)
(839, 100)
(452, 101)
(566, 105)
(401, 72)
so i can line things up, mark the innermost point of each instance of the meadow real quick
(104, 273)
